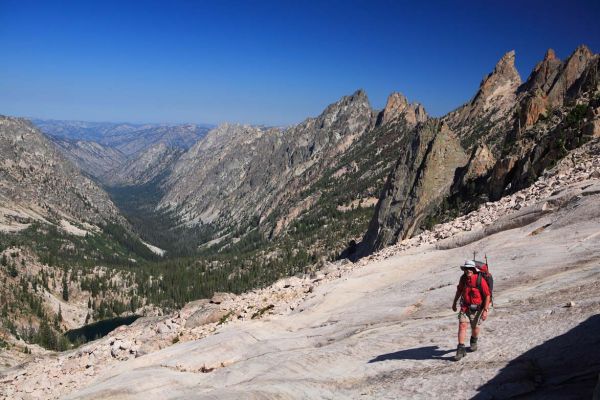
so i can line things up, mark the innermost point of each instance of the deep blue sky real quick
(265, 62)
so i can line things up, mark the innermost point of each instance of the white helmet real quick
(469, 264)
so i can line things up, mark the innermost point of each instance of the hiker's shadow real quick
(419, 353)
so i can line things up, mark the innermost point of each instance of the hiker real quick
(475, 297)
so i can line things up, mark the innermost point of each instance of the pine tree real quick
(12, 270)
(65, 288)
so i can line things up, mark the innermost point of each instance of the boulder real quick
(191, 307)
(592, 128)
(221, 297)
(206, 315)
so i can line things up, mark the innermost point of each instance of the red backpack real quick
(483, 272)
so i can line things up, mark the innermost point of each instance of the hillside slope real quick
(314, 192)
(59, 231)
(242, 173)
(37, 183)
(151, 163)
(91, 157)
(382, 327)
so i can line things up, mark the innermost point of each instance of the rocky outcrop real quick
(421, 178)
(480, 163)
(207, 315)
(576, 176)
(504, 78)
(544, 74)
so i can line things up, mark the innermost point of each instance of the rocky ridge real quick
(552, 82)
(505, 154)
(226, 180)
(574, 179)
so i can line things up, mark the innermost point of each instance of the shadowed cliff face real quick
(420, 179)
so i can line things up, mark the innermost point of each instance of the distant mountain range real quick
(125, 137)
(109, 151)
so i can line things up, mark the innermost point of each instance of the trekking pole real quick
(478, 317)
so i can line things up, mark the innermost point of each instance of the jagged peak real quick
(506, 63)
(359, 96)
(359, 93)
(581, 54)
(504, 78)
(346, 104)
(542, 76)
(397, 104)
(550, 55)
(396, 98)
(504, 70)
(582, 49)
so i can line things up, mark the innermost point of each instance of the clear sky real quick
(265, 62)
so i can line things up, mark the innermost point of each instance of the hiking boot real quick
(473, 344)
(461, 351)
